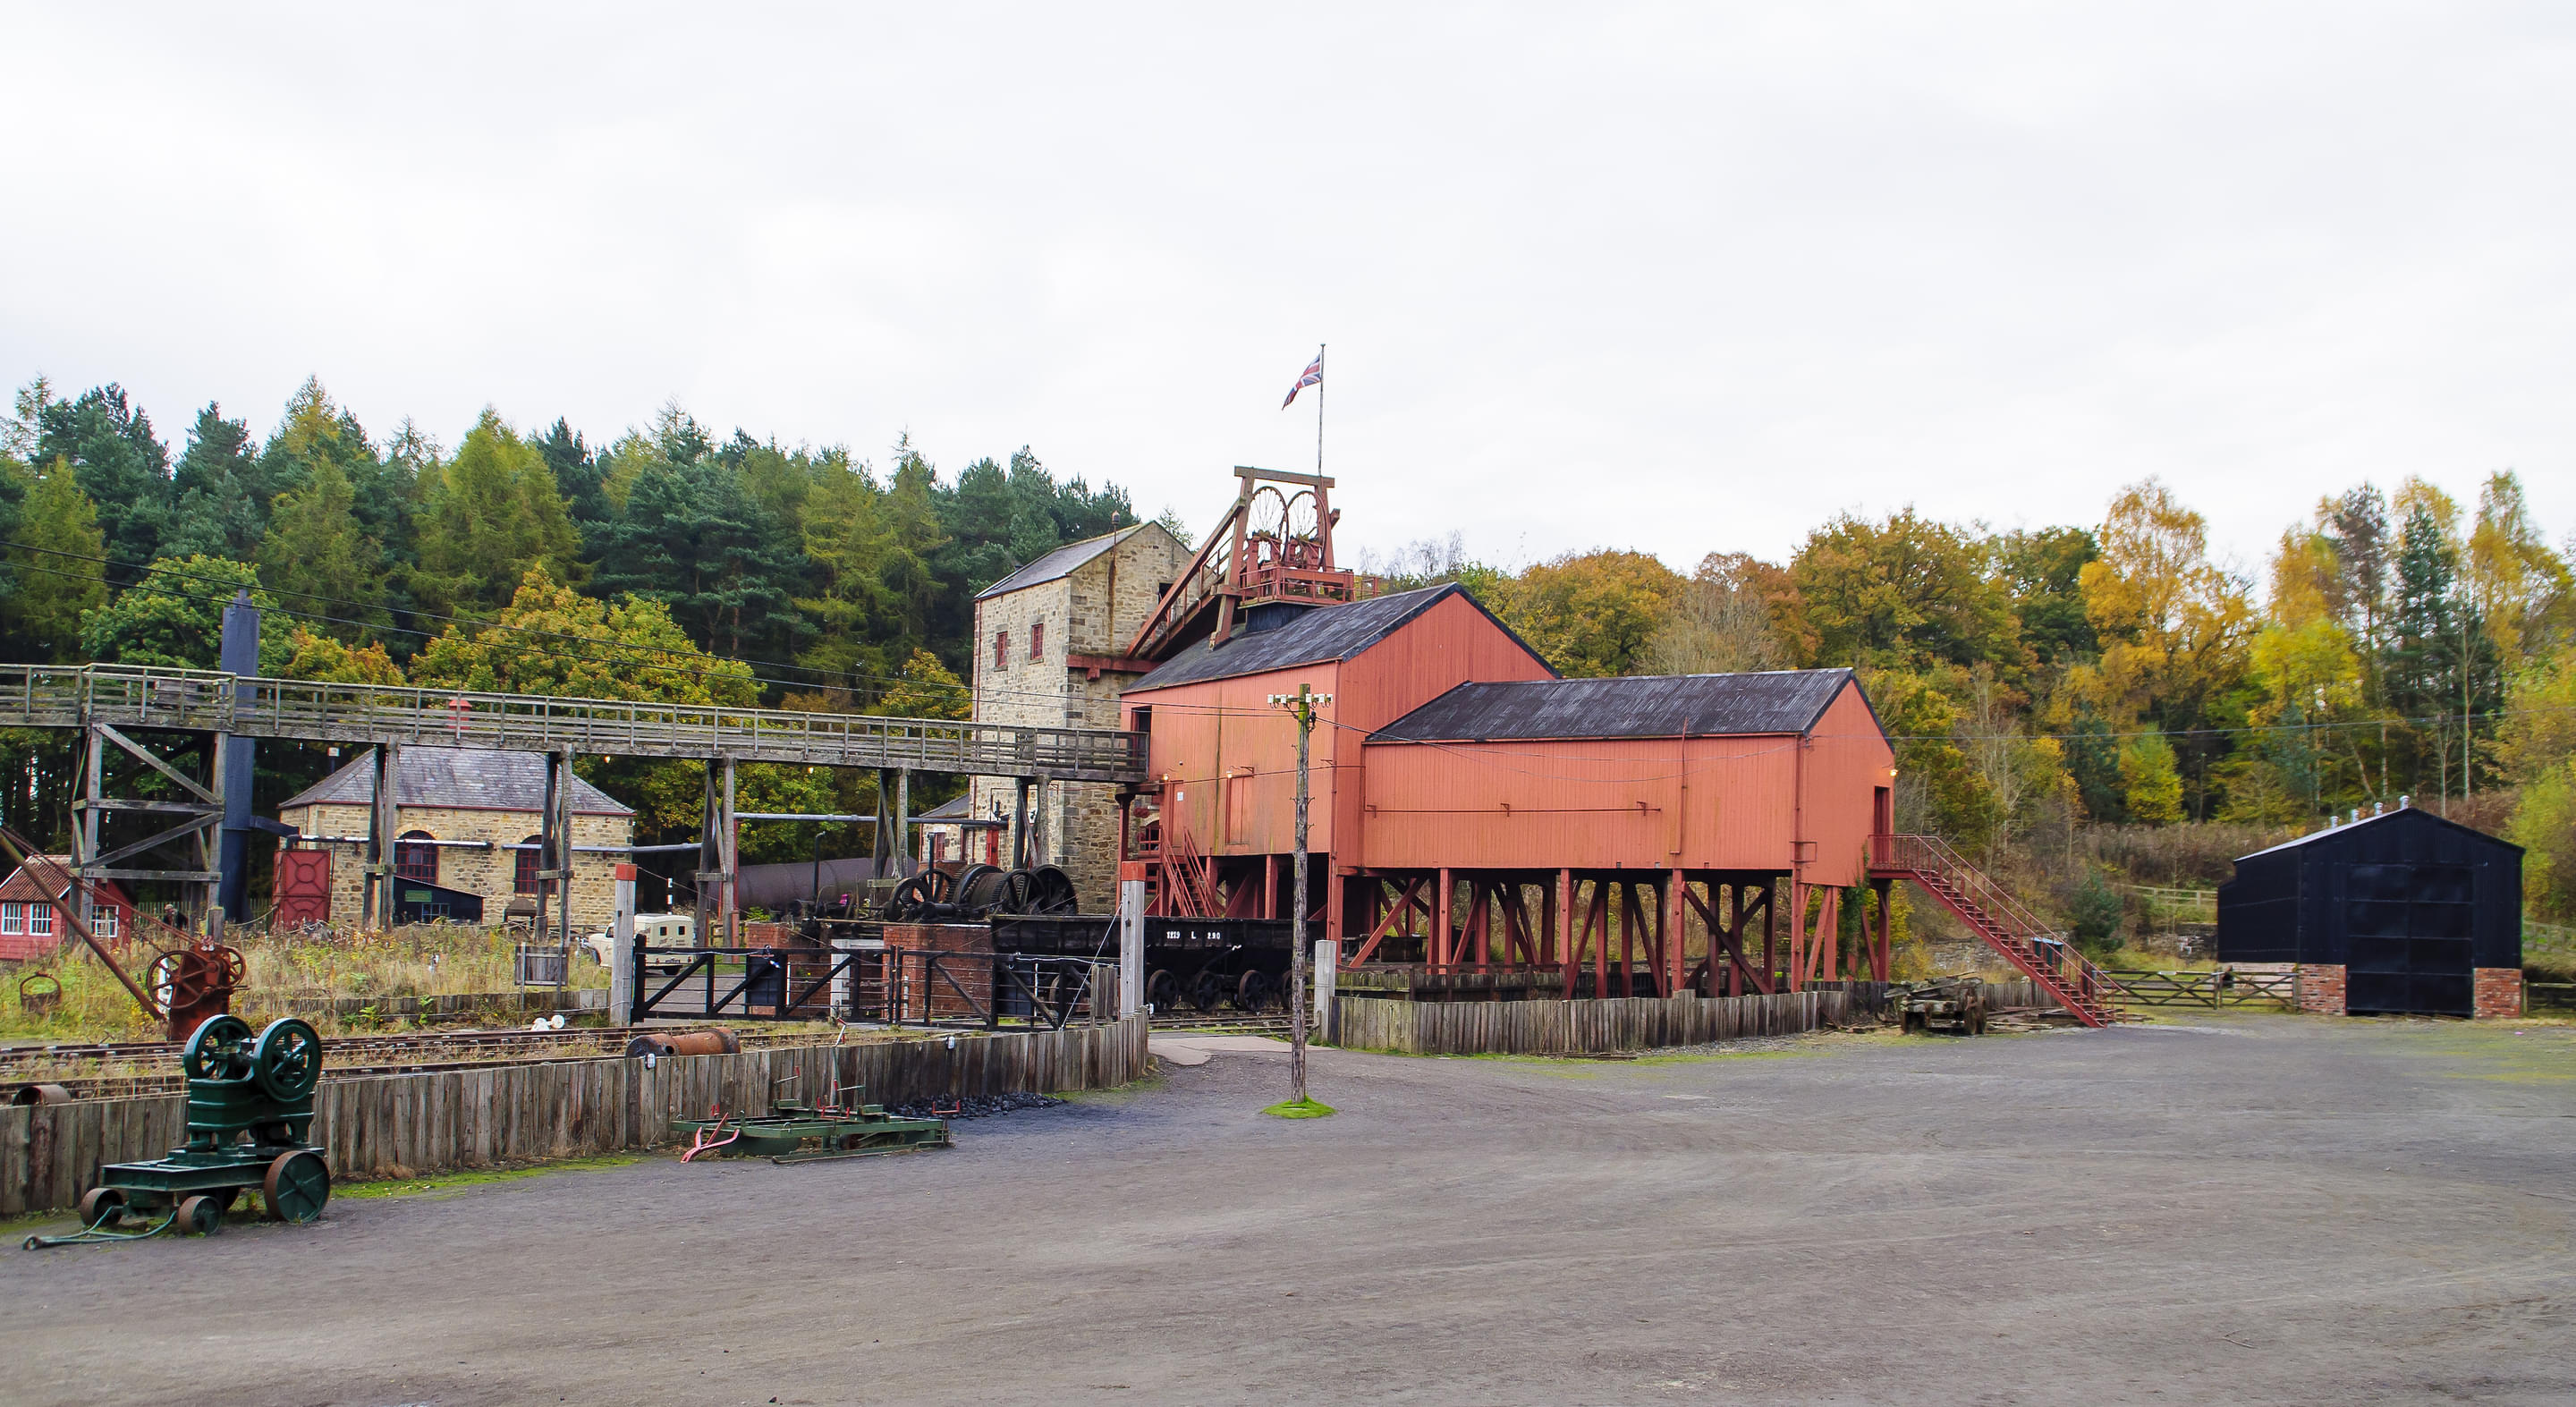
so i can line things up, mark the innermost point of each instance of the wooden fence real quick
(1571, 1027)
(408, 1125)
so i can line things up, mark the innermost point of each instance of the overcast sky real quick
(1686, 279)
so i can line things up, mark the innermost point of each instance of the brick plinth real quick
(2499, 993)
(958, 989)
(2320, 987)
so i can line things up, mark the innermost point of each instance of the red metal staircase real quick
(1994, 915)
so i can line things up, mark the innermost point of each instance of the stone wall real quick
(492, 874)
(1094, 610)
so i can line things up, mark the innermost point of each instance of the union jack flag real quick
(1313, 375)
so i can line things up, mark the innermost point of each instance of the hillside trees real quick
(55, 576)
(487, 518)
(121, 464)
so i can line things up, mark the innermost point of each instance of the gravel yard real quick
(2238, 1209)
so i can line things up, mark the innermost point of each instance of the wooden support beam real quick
(1721, 940)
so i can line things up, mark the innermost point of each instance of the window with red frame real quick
(523, 876)
(1037, 641)
(415, 861)
(1001, 649)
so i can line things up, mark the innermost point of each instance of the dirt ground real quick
(2241, 1209)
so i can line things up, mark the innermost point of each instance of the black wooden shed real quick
(2408, 904)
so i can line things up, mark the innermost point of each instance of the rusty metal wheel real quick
(202, 1215)
(101, 1207)
(297, 1185)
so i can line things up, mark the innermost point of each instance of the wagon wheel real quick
(214, 1052)
(1252, 992)
(288, 1060)
(297, 1185)
(101, 1207)
(200, 1216)
(1207, 991)
(1162, 989)
(1052, 893)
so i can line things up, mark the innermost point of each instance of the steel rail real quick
(202, 701)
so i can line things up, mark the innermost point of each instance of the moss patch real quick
(1300, 1109)
(453, 1182)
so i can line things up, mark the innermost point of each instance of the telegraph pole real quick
(1301, 706)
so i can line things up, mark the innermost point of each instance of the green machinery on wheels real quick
(250, 1124)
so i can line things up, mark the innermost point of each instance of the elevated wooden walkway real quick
(199, 701)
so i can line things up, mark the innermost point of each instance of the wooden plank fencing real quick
(410, 1125)
(1575, 1027)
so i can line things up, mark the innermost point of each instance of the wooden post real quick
(732, 863)
(1676, 929)
(903, 823)
(1561, 926)
(1797, 934)
(1440, 950)
(1883, 956)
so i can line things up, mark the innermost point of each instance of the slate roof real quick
(954, 812)
(466, 778)
(1321, 633)
(2339, 832)
(1649, 706)
(1064, 561)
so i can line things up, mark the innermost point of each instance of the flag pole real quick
(1319, 410)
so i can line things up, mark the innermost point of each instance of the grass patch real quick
(1300, 1109)
(477, 1177)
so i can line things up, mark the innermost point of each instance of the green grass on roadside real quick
(1300, 1109)
(476, 1177)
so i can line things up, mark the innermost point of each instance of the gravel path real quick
(2242, 1209)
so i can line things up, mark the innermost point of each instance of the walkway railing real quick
(1992, 913)
(123, 696)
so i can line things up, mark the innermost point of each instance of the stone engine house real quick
(464, 820)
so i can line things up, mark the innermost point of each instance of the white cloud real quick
(1685, 278)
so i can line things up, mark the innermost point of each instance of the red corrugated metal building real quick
(1472, 810)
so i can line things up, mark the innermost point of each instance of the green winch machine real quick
(250, 1124)
(799, 1133)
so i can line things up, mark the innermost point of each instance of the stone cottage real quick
(1047, 643)
(464, 819)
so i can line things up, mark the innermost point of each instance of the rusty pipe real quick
(41, 1094)
(714, 1040)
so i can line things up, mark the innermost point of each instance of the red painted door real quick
(303, 887)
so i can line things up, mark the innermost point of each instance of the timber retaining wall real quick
(1575, 1027)
(410, 1125)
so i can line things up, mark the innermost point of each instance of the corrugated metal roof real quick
(1063, 561)
(2338, 832)
(1322, 633)
(1645, 706)
(474, 778)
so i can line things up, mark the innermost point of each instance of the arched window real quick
(524, 877)
(416, 862)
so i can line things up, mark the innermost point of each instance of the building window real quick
(524, 877)
(415, 862)
(1037, 642)
(40, 920)
(106, 921)
(13, 918)
(1001, 649)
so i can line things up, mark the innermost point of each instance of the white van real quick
(658, 931)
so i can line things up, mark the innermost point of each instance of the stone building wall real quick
(2320, 988)
(1094, 610)
(490, 873)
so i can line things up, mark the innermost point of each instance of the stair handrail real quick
(1930, 854)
